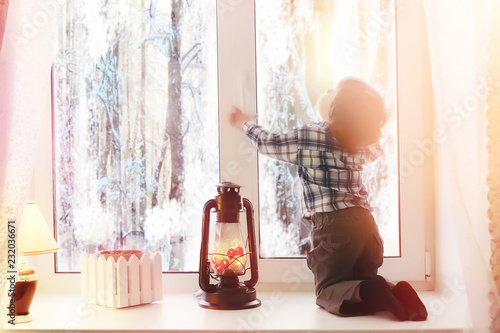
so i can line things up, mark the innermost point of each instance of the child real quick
(330, 155)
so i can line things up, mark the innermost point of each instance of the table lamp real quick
(37, 240)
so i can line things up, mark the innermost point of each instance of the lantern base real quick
(238, 298)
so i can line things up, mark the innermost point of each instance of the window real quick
(303, 49)
(135, 127)
(124, 176)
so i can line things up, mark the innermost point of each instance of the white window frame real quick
(239, 161)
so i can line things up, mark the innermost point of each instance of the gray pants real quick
(347, 249)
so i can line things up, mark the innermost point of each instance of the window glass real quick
(303, 48)
(135, 127)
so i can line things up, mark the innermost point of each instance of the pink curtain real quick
(4, 119)
(26, 58)
(4, 7)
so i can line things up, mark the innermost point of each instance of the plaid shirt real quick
(330, 176)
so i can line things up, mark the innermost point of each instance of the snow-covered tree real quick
(131, 115)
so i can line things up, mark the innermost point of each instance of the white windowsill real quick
(279, 312)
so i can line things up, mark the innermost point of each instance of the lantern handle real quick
(252, 244)
(204, 276)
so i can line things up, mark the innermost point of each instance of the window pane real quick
(135, 127)
(303, 48)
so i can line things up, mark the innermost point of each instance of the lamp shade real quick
(37, 237)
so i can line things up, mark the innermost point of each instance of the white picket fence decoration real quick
(122, 283)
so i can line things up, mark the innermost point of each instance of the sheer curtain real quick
(458, 49)
(493, 131)
(25, 65)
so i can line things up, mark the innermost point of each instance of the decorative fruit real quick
(218, 268)
(231, 253)
(221, 266)
(216, 258)
(239, 251)
(224, 263)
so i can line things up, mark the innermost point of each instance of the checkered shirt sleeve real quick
(330, 176)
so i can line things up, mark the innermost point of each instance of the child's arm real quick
(280, 146)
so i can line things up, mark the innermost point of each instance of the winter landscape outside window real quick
(136, 141)
(135, 127)
(303, 49)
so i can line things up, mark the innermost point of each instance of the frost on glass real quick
(135, 127)
(303, 48)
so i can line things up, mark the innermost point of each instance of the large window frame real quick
(239, 162)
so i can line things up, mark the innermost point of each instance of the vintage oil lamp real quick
(229, 254)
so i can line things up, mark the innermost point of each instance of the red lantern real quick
(229, 256)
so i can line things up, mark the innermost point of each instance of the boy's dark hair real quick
(361, 108)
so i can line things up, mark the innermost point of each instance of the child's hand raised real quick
(237, 118)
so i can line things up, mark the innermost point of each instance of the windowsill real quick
(279, 312)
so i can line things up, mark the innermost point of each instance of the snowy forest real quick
(135, 127)
(303, 49)
(136, 118)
